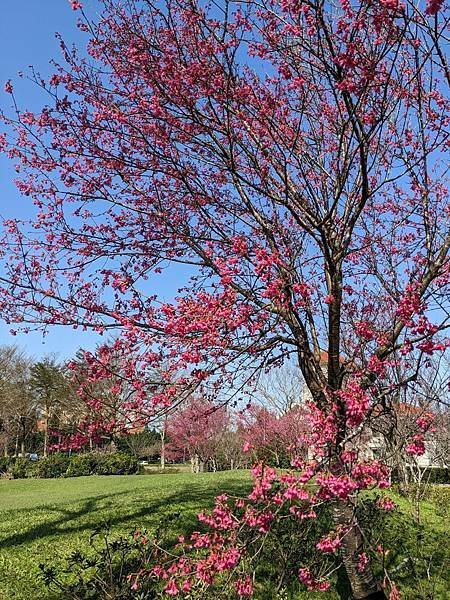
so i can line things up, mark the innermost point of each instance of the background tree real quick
(18, 408)
(281, 389)
(52, 392)
(195, 431)
(294, 154)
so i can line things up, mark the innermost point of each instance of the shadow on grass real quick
(193, 493)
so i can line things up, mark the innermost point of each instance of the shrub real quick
(439, 475)
(52, 466)
(77, 465)
(118, 463)
(434, 475)
(81, 464)
(4, 464)
(106, 569)
(19, 468)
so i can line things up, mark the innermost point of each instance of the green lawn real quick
(43, 519)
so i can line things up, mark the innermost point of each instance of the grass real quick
(42, 520)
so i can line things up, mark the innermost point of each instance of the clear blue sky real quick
(27, 37)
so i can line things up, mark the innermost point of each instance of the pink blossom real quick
(311, 583)
(417, 446)
(244, 587)
(432, 8)
(171, 588)
(385, 504)
(329, 544)
(363, 561)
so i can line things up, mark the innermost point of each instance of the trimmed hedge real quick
(76, 465)
(53, 466)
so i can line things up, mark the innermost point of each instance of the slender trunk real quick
(163, 448)
(195, 466)
(363, 583)
(46, 437)
(22, 441)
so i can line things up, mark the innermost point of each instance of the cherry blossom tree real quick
(292, 153)
(274, 438)
(195, 431)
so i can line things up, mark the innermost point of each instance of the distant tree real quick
(196, 431)
(18, 409)
(143, 444)
(280, 389)
(52, 392)
(274, 437)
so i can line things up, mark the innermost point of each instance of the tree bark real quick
(195, 466)
(163, 448)
(22, 441)
(46, 437)
(363, 583)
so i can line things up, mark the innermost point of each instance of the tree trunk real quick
(363, 583)
(16, 445)
(195, 468)
(46, 437)
(22, 441)
(163, 449)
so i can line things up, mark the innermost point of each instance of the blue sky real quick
(27, 37)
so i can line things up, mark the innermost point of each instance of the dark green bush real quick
(50, 467)
(61, 465)
(4, 464)
(117, 463)
(440, 475)
(19, 468)
(81, 464)
(435, 475)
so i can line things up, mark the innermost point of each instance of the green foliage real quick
(145, 445)
(440, 475)
(438, 495)
(76, 465)
(19, 468)
(117, 463)
(54, 465)
(102, 569)
(416, 552)
(81, 464)
(435, 475)
(4, 464)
